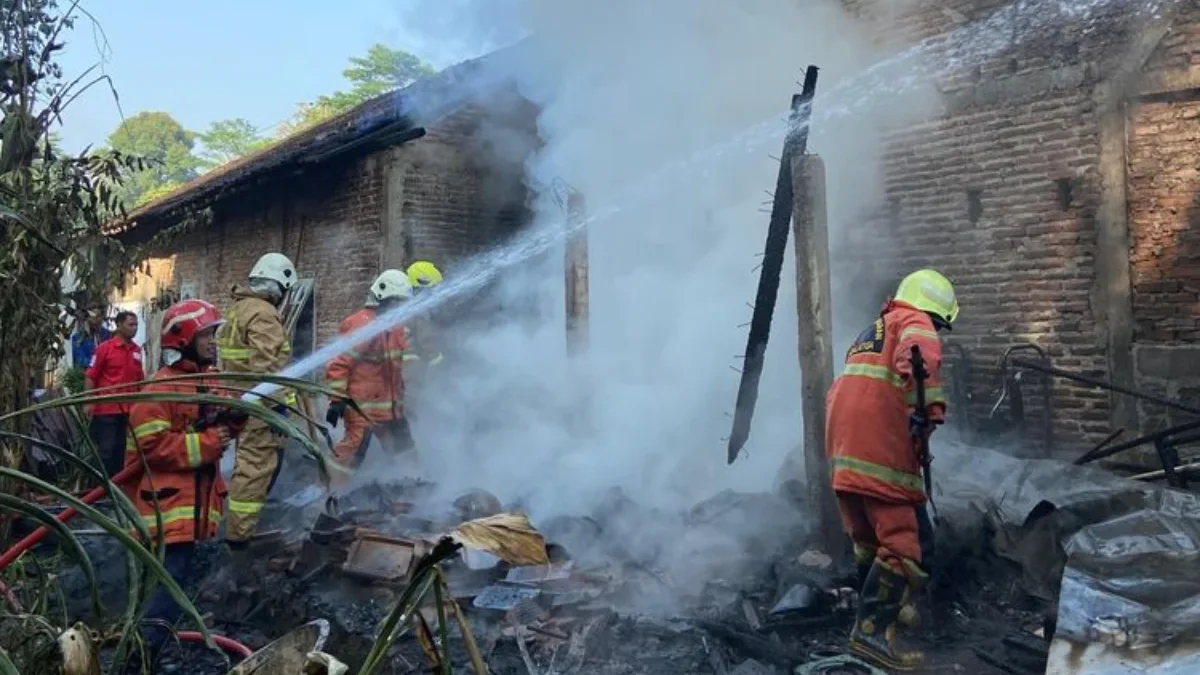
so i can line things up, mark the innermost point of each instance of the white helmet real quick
(275, 267)
(391, 285)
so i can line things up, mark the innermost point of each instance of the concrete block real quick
(1168, 362)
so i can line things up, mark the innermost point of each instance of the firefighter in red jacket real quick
(875, 458)
(371, 375)
(181, 445)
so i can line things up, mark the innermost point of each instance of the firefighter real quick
(254, 340)
(423, 274)
(371, 374)
(875, 457)
(181, 444)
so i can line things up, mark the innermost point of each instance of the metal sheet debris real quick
(536, 574)
(503, 598)
(380, 558)
(1130, 597)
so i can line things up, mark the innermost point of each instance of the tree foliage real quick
(54, 208)
(165, 145)
(226, 140)
(381, 70)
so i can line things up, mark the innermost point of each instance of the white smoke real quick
(626, 87)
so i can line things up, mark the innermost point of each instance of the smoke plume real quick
(624, 89)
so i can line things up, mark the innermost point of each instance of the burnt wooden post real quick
(813, 305)
(772, 266)
(576, 276)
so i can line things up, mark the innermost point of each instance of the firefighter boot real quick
(874, 634)
(910, 617)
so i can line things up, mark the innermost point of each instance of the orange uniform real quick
(371, 374)
(874, 459)
(184, 479)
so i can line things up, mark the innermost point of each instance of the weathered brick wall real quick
(975, 196)
(327, 222)
(1164, 228)
(459, 197)
(1000, 192)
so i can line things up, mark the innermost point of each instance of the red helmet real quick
(183, 320)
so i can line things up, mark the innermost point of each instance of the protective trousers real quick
(897, 536)
(394, 435)
(255, 468)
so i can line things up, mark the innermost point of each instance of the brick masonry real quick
(460, 194)
(1001, 192)
(1163, 132)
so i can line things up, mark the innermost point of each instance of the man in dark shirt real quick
(116, 361)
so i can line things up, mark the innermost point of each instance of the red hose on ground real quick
(228, 644)
(39, 534)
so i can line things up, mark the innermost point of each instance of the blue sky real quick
(203, 61)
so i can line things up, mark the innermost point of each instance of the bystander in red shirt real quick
(116, 361)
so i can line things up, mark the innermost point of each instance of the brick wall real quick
(331, 221)
(1000, 192)
(975, 196)
(1164, 227)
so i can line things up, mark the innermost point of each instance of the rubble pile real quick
(729, 587)
(1040, 568)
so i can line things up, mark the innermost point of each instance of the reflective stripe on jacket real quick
(867, 439)
(253, 340)
(422, 339)
(371, 372)
(183, 479)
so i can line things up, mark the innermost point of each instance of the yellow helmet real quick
(423, 273)
(930, 292)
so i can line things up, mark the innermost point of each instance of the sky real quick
(219, 59)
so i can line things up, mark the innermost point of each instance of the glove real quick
(918, 424)
(335, 412)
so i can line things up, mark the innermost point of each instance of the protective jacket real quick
(184, 479)
(423, 339)
(867, 438)
(253, 340)
(371, 372)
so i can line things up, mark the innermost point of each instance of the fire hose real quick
(228, 644)
(35, 537)
(125, 475)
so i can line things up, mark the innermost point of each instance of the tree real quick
(382, 70)
(54, 208)
(226, 140)
(166, 147)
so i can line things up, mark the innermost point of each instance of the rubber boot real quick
(874, 634)
(909, 616)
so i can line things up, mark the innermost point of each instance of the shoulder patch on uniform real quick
(870, 341)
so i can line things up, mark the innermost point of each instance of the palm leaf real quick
(149, 560)
(269, 417)
(6, 665)
(65, 536)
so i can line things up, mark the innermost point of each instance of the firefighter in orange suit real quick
(875, 459)
(371, 374)
(181, 445)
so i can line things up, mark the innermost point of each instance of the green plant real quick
(72, 380)
(37, 628)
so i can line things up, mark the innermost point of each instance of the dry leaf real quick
(320, 663)
(508, 536)
(78, 652)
